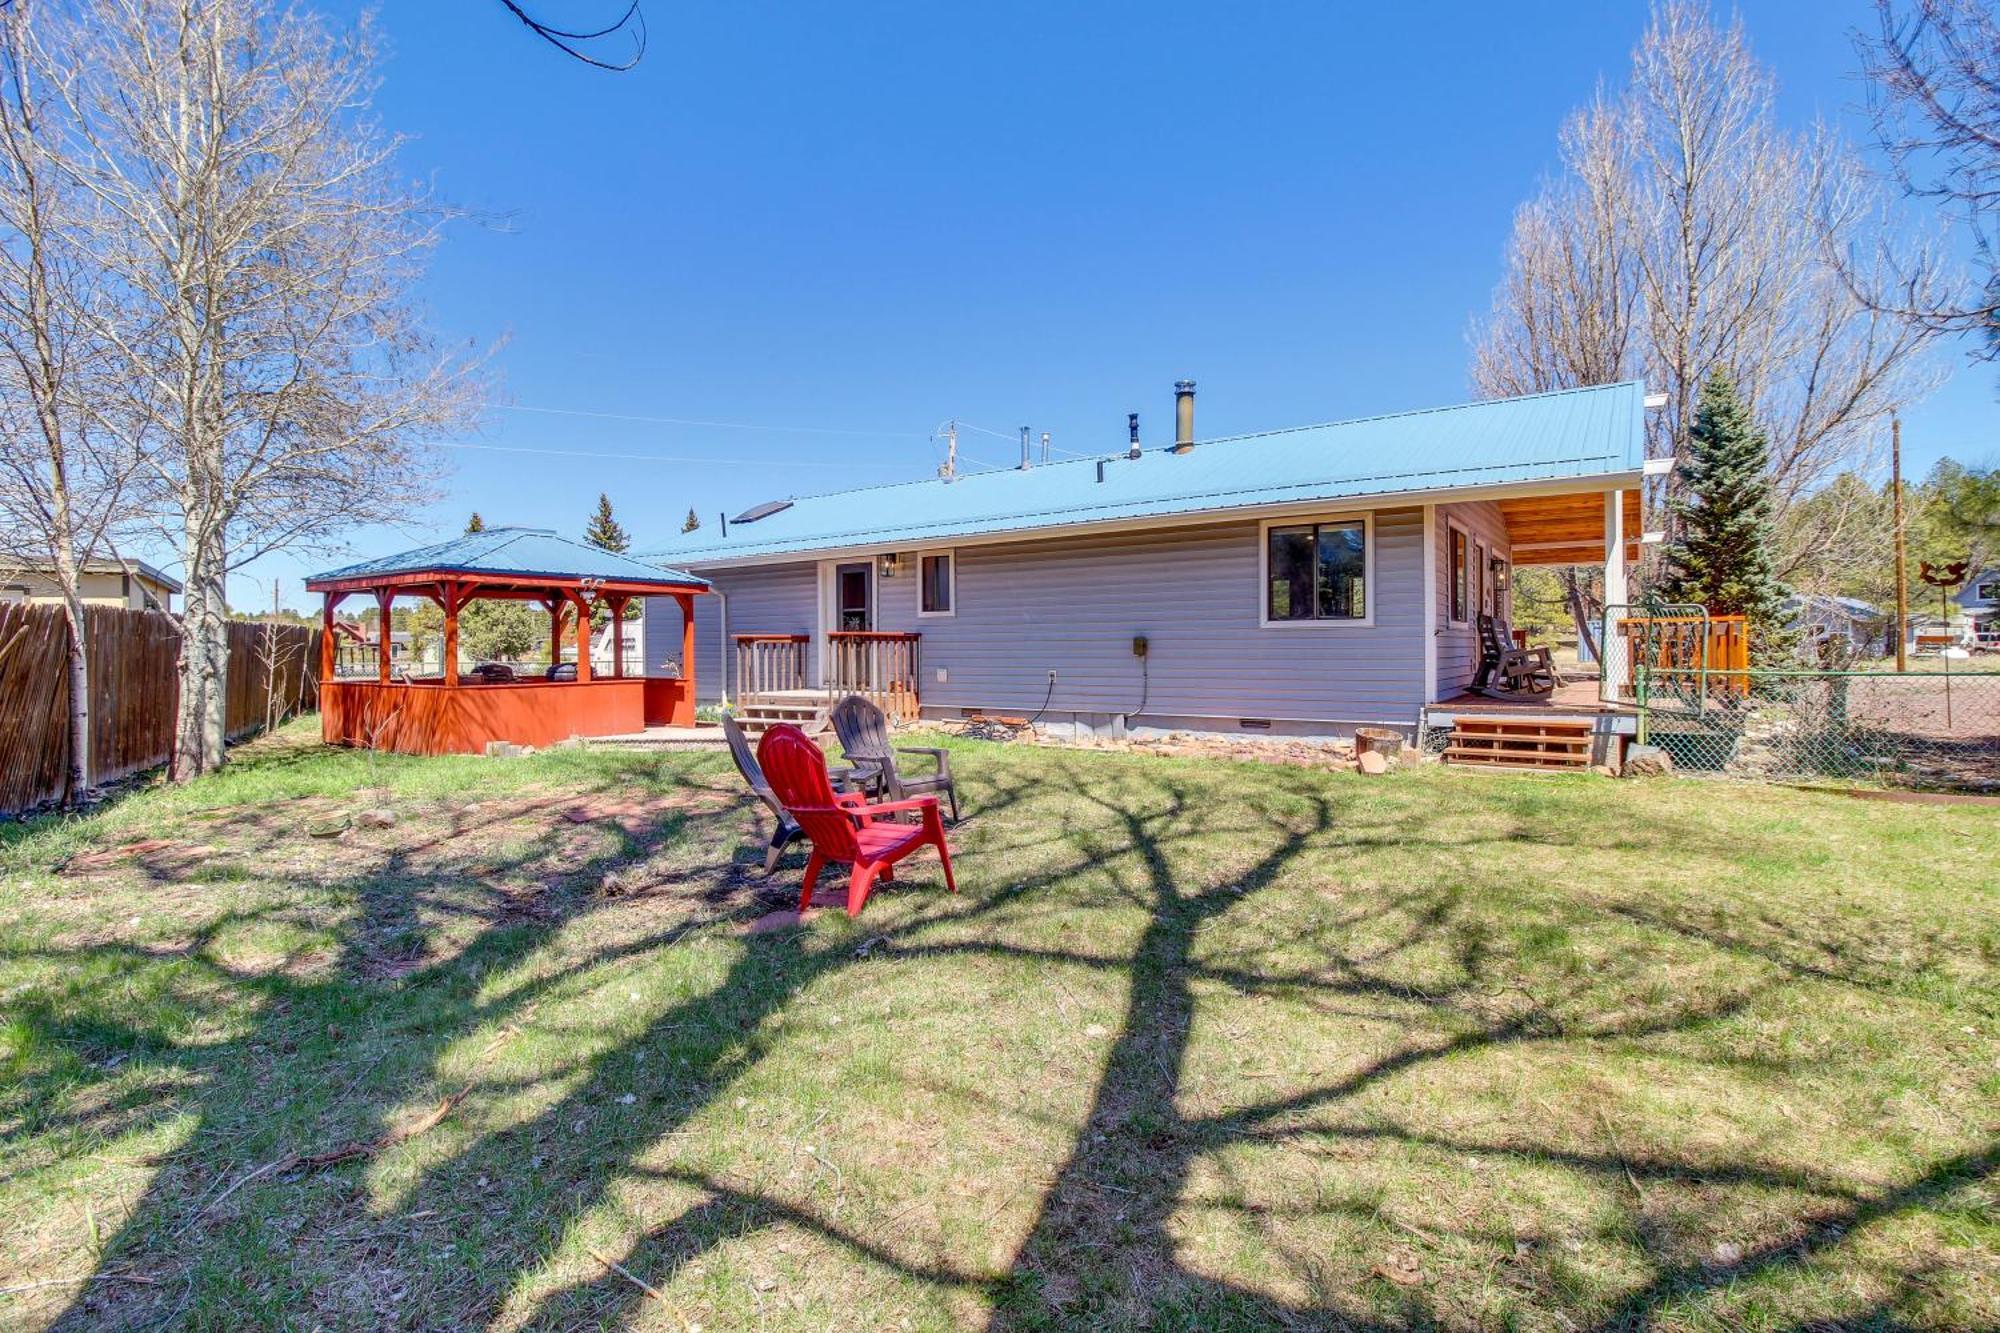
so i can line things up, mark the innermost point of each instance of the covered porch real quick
(461, 709)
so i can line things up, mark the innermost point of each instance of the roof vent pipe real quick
(1183, 416)
(1045, 448)
(1132, 425)
(1027, 459)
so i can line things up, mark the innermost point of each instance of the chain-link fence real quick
(1935, 728)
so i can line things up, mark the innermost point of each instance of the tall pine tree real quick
(604, 530)
(1722, 558)
(475, 524)
(692, 521)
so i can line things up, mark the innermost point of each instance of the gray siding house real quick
(1301, 581)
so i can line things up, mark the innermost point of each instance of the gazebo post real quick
(617, 605)
(582, 637)
(383, 598)
(686, 600)
(451, 604)
(326, 636)
(555, 606)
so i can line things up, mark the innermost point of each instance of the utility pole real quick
(948, 470)
(1902, 554)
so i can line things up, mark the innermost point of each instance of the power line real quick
(632, 23)
(713, 425)
(662, 458)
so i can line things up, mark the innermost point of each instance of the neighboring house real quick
(132, 584)
(1979, 599)
(1861, 626)
(1306, 580)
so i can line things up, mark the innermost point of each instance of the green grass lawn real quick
(1199, 1045)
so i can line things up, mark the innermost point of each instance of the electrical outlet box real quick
(942, 676)
(1139, 645)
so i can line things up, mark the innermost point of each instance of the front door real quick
(852, 585)
(853, 590)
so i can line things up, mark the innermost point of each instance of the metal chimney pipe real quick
(1183, 416)
(1132, 425)
(1027, 459)
(1045, 448)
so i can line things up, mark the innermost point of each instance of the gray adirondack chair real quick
(863, 730)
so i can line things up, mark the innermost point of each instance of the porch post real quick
(582, 637)
(555, 605)
(383, 599)
(1616, 591)
(451, 604)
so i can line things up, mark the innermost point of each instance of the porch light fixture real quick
(1502, 573)
(892, 564)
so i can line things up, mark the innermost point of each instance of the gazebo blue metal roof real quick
(1571, 434)
(525, 553)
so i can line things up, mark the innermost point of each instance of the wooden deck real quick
(1577, 697)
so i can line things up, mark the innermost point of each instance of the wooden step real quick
(1528, 743)
(1519, 751)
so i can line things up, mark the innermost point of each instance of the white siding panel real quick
(1458, 644)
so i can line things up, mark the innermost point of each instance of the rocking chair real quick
(1504, 666)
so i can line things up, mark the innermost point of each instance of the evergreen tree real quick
(692, 521)
(475, 524)
(605, 531)
(1722, 558)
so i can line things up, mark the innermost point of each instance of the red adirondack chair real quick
(845, 833)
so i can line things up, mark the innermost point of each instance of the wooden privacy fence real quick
(133, 691)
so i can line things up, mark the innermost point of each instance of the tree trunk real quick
(204, 673)
(78, 779)
(1579, 610)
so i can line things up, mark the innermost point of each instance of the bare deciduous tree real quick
(1934, 75)
(64, 480)
(249, 222)
(1686, 233)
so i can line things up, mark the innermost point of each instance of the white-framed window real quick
(1316, 571)
(1459, 610)
(1988, 590)
(937, 583)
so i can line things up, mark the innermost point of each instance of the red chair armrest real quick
(893, 807)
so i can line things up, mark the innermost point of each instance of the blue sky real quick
(867, 219)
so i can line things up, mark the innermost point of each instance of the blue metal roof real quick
(1541, 437)
(517, 552)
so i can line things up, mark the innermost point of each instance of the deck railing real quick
(882, 667)
(770, 663)
(1692, 653)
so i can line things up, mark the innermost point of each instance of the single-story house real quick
(132, 584)
(1861, 626)
(1302, 581)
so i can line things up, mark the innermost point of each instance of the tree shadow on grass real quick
(1105, 1246)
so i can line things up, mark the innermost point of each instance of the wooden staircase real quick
(756, 715)
(1534, 743)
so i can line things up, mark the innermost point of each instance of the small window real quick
(936, 579)
(1988, 592)
(1460, 561)
(1317, 571)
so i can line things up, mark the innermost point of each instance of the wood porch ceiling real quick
(1565, 529)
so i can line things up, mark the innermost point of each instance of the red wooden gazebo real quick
(460, 712)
